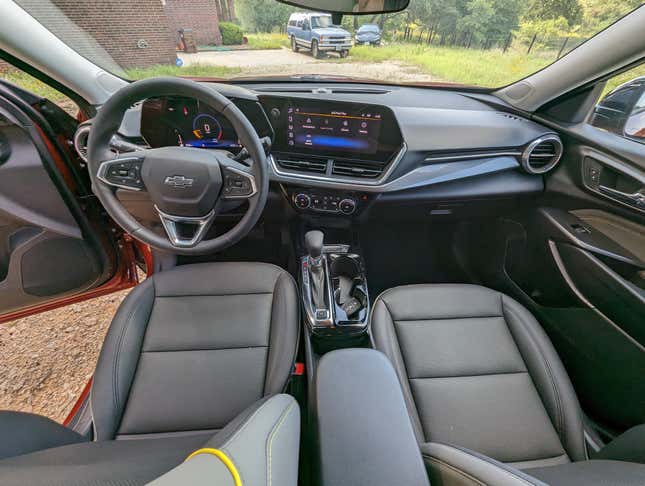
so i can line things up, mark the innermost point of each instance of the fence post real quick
(509, 39)
(470, 39)
(564, 44)
(532, 42)
(420, 34)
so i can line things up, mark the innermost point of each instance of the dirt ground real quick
(46, 359)
(285, 62)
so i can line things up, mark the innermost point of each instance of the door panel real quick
(42, 252)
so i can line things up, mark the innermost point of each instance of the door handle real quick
(635, 199)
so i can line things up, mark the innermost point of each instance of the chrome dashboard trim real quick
(356, 183)
(472, 155)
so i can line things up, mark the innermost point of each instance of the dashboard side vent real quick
(301, 164)
(542, 154)
(80, 141)
(356, 169)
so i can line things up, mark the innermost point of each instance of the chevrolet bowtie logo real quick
(179, 181)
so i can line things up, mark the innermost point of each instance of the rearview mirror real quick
(350, 7)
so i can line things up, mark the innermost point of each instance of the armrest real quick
(628, 446)
(450, 465)
(364, 431)
(260, 445)
(27, 432)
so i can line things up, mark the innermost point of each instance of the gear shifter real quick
(314, 244)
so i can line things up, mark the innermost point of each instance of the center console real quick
(334, 288)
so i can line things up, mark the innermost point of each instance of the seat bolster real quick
(118, 360)
(262, 445)
(450, 465)
(628, 446)
(548, 375)
(284, 334)
(23, 433)
(385, 340)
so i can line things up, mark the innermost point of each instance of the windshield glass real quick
(368, 28)
(321, 21)
(483, 43)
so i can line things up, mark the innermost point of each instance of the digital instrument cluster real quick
(186, 122)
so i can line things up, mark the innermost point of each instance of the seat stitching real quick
(455, 469)
(483, 459)
(272, 435)
(501, 373)
(201, 349)
(425, 319)
(212, 295)
(244, 425)
(559, 420)
(115, 378)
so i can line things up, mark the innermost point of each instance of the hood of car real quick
(331, 31)
(368, 35)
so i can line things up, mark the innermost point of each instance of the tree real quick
(553, 9)
(262, 15)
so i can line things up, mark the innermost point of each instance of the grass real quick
(196, 70)
(267, 41)
(33, 85)
(491, 68)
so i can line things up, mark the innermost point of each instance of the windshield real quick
(482, 43)
(368, 28)
(321, 21)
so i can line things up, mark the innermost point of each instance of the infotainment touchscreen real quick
(333, 130)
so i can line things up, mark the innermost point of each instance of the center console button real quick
(302, 201)
(347, 206)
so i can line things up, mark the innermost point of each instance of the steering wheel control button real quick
(238, 184)
(124, 173)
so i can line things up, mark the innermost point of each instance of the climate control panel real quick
(332, 202)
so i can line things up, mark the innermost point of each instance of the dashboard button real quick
(347, 206)
(302, 201)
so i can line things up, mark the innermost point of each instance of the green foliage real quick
(267, 41)
(553, 9)
(195, 70)
(491, 68)
(232, 34)
(263, 15)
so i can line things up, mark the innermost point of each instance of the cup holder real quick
(349, 289)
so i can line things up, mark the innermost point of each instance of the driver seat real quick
(188, 350)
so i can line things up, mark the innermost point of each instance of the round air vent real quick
(80, 141)
(542, 154)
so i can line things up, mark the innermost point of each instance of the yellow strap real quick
(222, 457)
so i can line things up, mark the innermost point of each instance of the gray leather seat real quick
(188, 350)
(488, 397)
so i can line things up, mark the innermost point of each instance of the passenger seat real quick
(488, 397)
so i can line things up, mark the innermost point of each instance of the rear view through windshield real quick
(482, 43)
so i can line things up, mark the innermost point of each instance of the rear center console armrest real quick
(364, 431)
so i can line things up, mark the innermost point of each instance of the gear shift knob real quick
(314, 244)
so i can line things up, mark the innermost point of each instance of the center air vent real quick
(542, 155)
(80, 141)
(302, 163)
(350, 168)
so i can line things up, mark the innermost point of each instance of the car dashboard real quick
(337, 147)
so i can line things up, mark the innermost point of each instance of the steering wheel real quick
(187, 186)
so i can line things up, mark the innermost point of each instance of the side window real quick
(29, 83)
(622, 108)
(299, 24)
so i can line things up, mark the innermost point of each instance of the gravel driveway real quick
(285, 62)
(46, 359)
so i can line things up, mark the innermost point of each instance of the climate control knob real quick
(302, 201)
(347, 206)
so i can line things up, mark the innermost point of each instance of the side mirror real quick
(635, 124)
(350, 7)
(622, 111)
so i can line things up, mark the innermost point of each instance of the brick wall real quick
(199, 15)
(134, 33)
